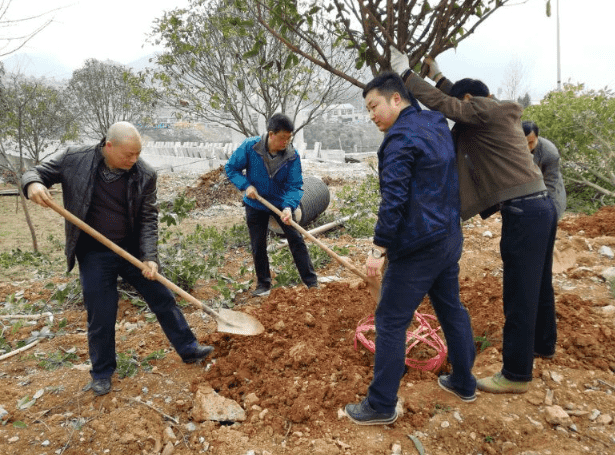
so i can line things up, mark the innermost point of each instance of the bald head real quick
(121, 132)
(123, 146)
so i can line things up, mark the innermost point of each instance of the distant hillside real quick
(39, 66)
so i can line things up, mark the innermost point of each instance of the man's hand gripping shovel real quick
(373, 282)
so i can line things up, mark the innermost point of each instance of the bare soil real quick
(306, 365)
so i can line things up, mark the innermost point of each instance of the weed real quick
(229, 288)
(489, 439)
(482, 342)
(440, 409)
(65, 293)
(361, 202)
(58, 359)
(22, 258)
(612, 287)
(4, 345)
(127, 364)
(156, 355)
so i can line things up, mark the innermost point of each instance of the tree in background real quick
(581, 124)
(212, 71)
(106, 93)
(367, 28)
(513, 84)
(35, 122)
(13, 36)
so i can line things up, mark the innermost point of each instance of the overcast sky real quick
(521, 36)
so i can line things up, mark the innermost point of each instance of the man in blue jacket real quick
(419, 230)
(273, 171)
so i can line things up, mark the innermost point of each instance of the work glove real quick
(251, 192)
(399, 61)
(434, 69)
(374, 265)
(286, 215)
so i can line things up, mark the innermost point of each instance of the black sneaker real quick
(363, 414)
(261, 291)
(313, 285)
(100, 386)
(198, 354)
(544, 356)
(445, 383)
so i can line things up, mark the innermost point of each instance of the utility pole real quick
(559, 67)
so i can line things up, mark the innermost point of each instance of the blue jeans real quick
(433, 271)
(528, 236)
(258, 225)
(98, 272)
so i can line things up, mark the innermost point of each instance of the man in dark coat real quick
(114, 191)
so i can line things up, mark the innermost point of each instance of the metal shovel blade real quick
(230, 321)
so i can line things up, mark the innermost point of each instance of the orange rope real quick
(424, 333)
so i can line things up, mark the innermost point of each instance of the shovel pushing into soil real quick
(326, 249)
(228, 321)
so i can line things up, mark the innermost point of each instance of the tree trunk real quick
(22, 198)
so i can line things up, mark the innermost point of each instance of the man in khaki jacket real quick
(497, 173)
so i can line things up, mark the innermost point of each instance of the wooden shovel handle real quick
(327, 250)
(129, 257)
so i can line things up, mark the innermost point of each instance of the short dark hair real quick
(529, 127)
(280, 122)
(472, 86)
(388, 83)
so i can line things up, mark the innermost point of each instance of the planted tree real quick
(106, 93)
(367, 28)
(212, 71)
(581, 123)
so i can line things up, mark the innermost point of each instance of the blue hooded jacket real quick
(418, 184)
(282, 189)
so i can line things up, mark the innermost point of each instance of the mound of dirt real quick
(601, 223)
(213, 188)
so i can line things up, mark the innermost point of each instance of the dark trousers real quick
(258, 225)
(98, 272)
(528, 236)
(433, 271)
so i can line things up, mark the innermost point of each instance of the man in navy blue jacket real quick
(419, 230)
(273, 171)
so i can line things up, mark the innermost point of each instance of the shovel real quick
(326, 249)
(228, 321)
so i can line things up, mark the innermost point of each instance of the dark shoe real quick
(363, 414)
(101, 386)
(198, 354)
(544, 356)
(445, 383)
(312, 285)
(261, 291)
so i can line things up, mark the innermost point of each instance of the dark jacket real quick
(418, 184)
(493, 159)
(282, 189)
(76, 170)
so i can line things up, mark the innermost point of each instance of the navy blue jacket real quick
(418, 184)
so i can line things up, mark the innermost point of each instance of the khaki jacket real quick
(493, 158)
